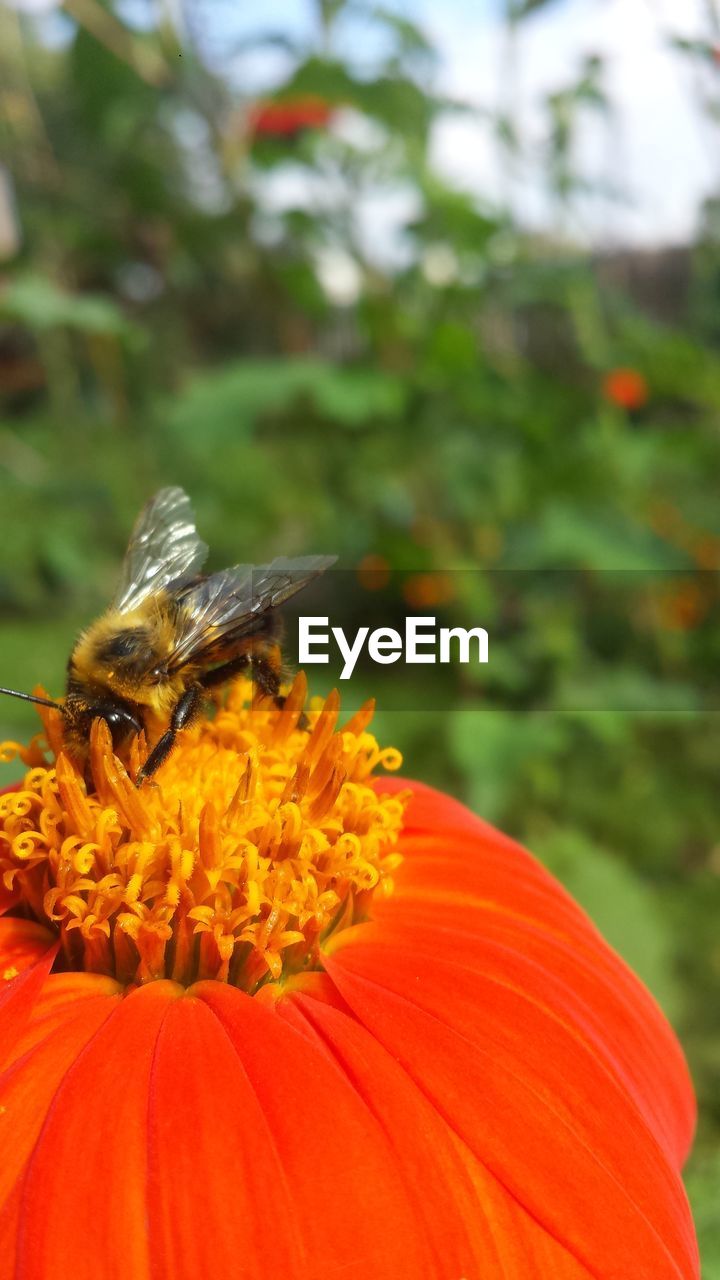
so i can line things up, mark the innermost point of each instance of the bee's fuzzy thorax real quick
(120, 651)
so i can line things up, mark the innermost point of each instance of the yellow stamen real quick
(254, 842)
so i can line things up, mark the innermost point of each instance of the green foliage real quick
(38, 304)
(231, 401)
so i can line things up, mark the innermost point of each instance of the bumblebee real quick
(172, 634)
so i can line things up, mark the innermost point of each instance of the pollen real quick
(259, 839)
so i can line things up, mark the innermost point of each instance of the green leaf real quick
(569, 533)
(230, 400)
(497, 749)
(626, 689)
(40, 304)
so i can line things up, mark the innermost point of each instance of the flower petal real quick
(22, 942)
(469, 1225)
(220, 1201)
(477, 892)
(480, 951)
(352, 1209)
(533, 1105)
(27, 1088)
(17, 999)
(84, 1207)
(604, 1010)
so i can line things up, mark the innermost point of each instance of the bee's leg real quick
(184, 713)
(266, 670)
(267, 674)
(265, 661)
(264, 658)
(221, 675)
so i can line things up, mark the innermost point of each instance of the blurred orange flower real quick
(427, 590)
(683, 606)
(373, 572)
(291, 116)
(706, 551)
(626, 388)
(417, 1056)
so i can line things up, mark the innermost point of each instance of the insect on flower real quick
(172, 634)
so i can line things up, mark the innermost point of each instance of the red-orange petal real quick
(481, 895)
(354, 1214)
(29, 1085)
(221, 1202)
(92, 1152)
(543, 1053)
(22, 943)
(17, 1001)
(467, 1224)
(532, 1104)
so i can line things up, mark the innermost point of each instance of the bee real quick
(172, 635)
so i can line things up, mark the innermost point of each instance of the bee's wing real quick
(225, 606)
(164, 549)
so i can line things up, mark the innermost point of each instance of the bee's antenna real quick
(31, 697)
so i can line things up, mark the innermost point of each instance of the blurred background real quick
(437, 288)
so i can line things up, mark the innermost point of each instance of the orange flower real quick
(256, 1021)
(706, 551)
(428, 590)
(626, 388)
(291, 116)
(373, 572)
(684, 605)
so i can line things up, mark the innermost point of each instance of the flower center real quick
(256, 840)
